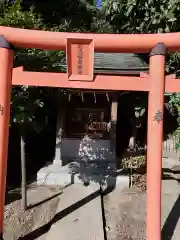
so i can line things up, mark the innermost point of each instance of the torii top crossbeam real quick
(124, 43)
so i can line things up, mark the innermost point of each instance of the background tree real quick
(115, 16)
(27, 101)
(139, 16)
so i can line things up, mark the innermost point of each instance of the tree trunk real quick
(23, 173)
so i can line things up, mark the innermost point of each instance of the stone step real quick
(79, 214)
(55, 175)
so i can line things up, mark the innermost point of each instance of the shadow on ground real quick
(171, 221)
(33, 201)
(45, 228)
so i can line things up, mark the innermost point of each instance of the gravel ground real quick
(125, 214)
(124, 211)
(18, 223)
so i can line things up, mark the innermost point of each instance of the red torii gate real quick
(80, 75)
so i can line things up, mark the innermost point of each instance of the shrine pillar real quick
(154, 141)
(59, 132)
(114, 106)
(6, 65)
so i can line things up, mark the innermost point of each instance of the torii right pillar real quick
(154, 141)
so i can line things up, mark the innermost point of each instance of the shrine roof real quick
(119, 63)
(104, 63)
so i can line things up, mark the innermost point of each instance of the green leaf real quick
(178, 146)
(172, 19)
(129, 11)
(170, 15)
(142, 112)
(137, 114)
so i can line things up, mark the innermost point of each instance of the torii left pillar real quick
(6, 66)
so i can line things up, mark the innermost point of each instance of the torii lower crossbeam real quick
(155, 84)
(101, 82)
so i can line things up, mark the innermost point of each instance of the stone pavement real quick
(79, 214)
(170, 202)
(170, 216)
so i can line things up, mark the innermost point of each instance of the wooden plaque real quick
(80, 59)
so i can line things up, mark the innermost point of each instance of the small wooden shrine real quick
(89, 112)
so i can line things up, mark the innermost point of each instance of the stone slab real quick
(170, 187)
(82, 214)
(168, 163)
(170, 216)
(56, 175)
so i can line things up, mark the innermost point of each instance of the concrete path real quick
(79, 214)
(170, 203)
(170, 216)
(169, 162)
